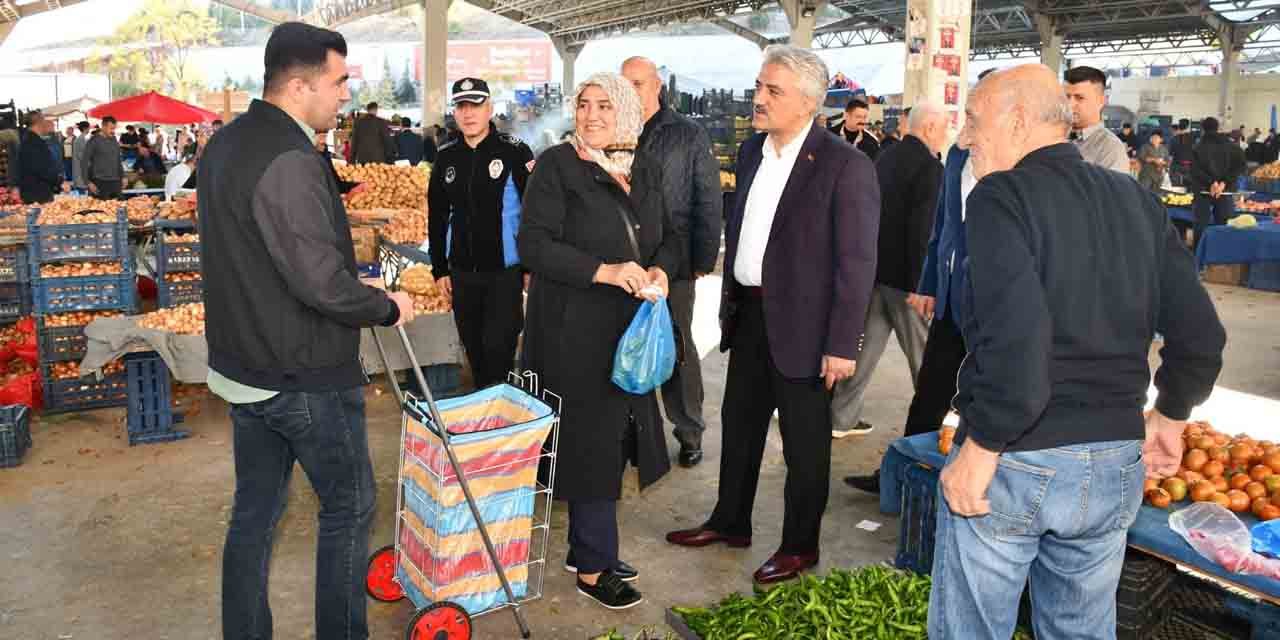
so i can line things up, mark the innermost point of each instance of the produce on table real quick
(77, 318)
(418, 282)
(386, 185)
(1239, 473)
(80, 269)
(183, 208)
(184, 319)
(1252, 206)
(182, 276)
(140, 209)
(182, 238)
(67, 211)
(946, 438)
(871, 602)
(1268, 171)
(728, 181)
(1177, 199)
(71, 370)
(10, 197)
(409, 226)
(15, 368)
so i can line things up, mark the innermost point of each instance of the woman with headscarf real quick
(596, 237)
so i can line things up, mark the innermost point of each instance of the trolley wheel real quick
(440, 621)
(380, 580)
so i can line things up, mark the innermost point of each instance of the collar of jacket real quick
(663, 117)
(489, 140)
(270, 112)
(1054, 154)
(911, 139)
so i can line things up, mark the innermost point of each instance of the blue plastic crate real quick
(13, 264)
(151, 417)
(172, 294)
(171, 256)
(60, 344)
(64, 242)
(15, 301)
(15, 434)
(62, 396)
(918, 519)
(94, 293)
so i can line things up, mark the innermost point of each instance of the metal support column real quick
(802, 15)
(1050, 43)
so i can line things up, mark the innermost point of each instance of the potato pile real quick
(140, 209)
(71, 370)
(408, 227)
(77, 318)
(184, 319)
(418, 282)
(65, 210)
(182, 276)
(386, 186)
(1239, 473)
(1268, 171)
(80, 269)
(186, 398)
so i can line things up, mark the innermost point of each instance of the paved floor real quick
(101, 541)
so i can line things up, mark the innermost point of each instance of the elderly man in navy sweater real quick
(1072, 269)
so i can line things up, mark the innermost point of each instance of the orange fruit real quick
(1239, 480)
(1222, 500)
(1212, 469)
(1220, 484)
(1255, 490)
(1259, 472)
(1238, 501)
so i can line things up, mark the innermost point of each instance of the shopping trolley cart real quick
(472, 516)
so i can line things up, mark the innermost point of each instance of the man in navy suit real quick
(799, 268)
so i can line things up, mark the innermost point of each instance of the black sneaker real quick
(611, 592)
(861, 429)
(870, 484)
(626, 572)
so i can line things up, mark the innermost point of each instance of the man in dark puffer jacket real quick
(691, 191)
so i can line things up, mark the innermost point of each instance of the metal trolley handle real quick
(436, 425)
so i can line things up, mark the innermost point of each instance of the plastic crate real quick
(15, 434)
(15, 301)
(61, 396)
(174, 257)
(62, 242)
(444, 380)
(1146, 583)
(94, 293)
(918, 519)
(172, 294)
(13, 264)
(151, 416)
(60, 344)
(1198, 609)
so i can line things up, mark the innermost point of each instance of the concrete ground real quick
(102, 541)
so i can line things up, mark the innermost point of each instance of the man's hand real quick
(1162, 450)
(66, 187)
(445, 284)
(405, 303)
(93, 188)
(358, 189)
(922, 304)
(966, 478)
(836, 369)
(658, 278)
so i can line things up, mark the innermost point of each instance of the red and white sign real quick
(496, 61)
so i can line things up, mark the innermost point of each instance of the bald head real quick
(1012, 113)
(928, 122)
(643, 75)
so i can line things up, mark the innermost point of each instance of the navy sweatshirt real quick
(1072, 268)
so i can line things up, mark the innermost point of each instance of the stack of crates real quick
(177, 256)
(55, 297)
(15, 294)
(15, 434)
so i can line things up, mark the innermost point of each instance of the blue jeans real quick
(325, 433)
(1059, 517)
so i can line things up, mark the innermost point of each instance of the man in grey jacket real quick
(101, 163)
(77, 156)
(691, 189)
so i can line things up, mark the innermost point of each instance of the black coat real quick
(571, 226)
(910, 179)
(39, 176)
(1216, 159)
(691, 185)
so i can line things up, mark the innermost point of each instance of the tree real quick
(384, 93)
(407, 91)
(152, 49)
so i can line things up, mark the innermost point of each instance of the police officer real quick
(477, 183)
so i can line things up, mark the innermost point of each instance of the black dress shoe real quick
(624, 571)
(784, 566)
(870, 484)
(611, 592)
(689, 456)
(702, 536)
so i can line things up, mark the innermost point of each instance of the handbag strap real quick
(629, 225)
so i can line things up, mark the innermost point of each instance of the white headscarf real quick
(618, 156)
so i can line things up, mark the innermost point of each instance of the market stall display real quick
(1236, 472)
(386, 186)
(1256, 246)
(175, 248)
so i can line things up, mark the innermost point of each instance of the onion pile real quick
(71, 370)
(80, 269)
(77, 318)
(140, 209)
(1239, 473)
(386, 186)
(14, 369)
(66, 210)
(187, 398)
(181, 209)
(184, 319)
(182, 276)
(182, 238)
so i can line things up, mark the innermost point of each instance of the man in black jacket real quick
(408, 143)
(691, 189)
(474, 198)
(284, 310)
(1182, 149)
(854, 128)
(1216, 165)
(40, 175)
(371, 141)
(910, 177)
(1072, 269)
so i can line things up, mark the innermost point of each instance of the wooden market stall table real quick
(1258, 247)
(1149, 534)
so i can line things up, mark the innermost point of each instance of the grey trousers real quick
(887, 313)
(682, 394)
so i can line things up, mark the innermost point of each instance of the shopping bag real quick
(646, 353)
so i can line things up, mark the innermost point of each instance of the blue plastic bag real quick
(1266, 538)
(646, 353)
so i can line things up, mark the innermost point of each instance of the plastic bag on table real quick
(1217, 534)
(1266, 538)
(646, 354)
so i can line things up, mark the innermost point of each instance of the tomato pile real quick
(184, 319)
(1239, 473)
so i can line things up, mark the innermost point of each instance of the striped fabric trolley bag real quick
(472, 516)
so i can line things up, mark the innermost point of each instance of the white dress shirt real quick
(762, 204)
(967, 183)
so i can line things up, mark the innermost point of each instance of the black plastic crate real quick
(93, 293)
(172, 294)
(61, 396)
(1199, 610)
(918, 519)
(172, 257)
(15, 301)
(15, 434)
(76, 242)
(151, 417)
(13, 264)
(1146, 584)
(60, 344)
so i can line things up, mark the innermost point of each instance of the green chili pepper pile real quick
(872, 602)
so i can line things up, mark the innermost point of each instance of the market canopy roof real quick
(153, 107)
(80, 105)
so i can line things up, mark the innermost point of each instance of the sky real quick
(85, 20)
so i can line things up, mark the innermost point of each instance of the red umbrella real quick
(155, 108)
